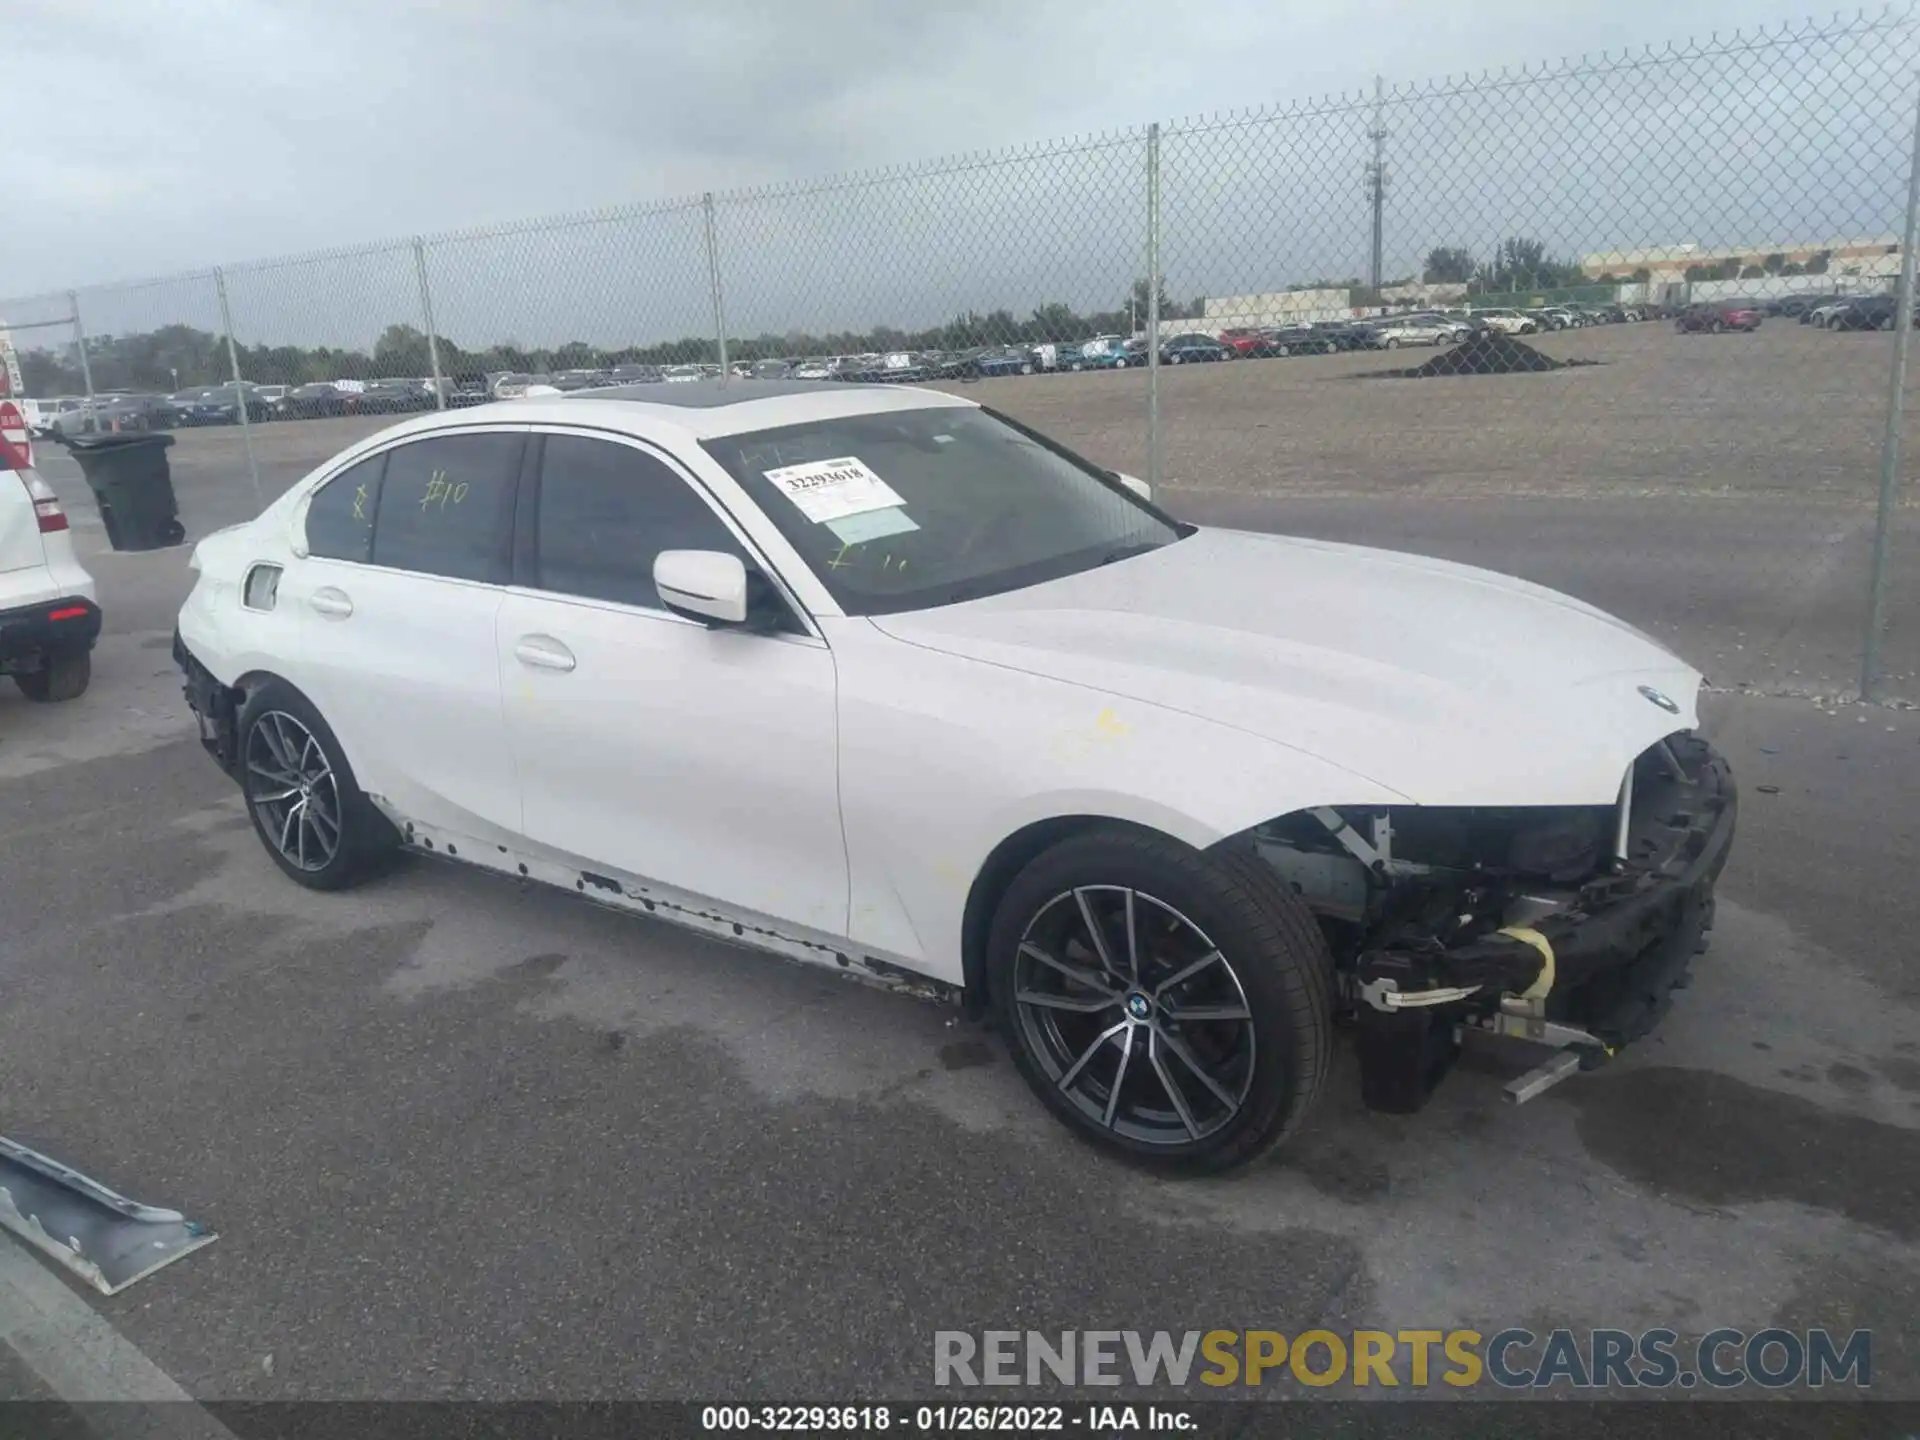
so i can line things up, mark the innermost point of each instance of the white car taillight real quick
(46, 505)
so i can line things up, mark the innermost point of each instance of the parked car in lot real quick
(1867, 312)
(1391, 334)
(1720, 316)
(1296, 340)
(681, 374)
(1243, 340)
(396, 396)
(1111, 352)
(1508, 322)
(1821, 314)
(1192, 349)
(1003, 360)
(49, 617)
(117, 412)
(1170, 826)
(1792, 307)
(320, 399)
(40, 414)
(1345, 334)
(634, 374)
(218, 405)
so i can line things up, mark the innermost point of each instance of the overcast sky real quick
(149, 137)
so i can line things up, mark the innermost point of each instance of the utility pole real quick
(1377, 182)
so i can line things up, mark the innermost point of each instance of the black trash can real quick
(131, 481)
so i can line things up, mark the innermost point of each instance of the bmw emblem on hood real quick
(1666, 704)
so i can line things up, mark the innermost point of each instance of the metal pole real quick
(239, 395)
(1153, 309)
(426, 311)
(713, 281)
(1377, 181)
(1896, 416)
(86, 366)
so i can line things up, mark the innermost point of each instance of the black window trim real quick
(305, 548)
(526, 537)
(503, 557)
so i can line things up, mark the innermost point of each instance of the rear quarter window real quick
(340, 514)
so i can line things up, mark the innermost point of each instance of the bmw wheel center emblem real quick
(1672, 707)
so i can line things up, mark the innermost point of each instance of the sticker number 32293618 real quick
(826, 490)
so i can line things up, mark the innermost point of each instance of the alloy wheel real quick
(1135, 1014)
(293, 791)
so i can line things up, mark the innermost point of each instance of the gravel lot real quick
(463, 1138)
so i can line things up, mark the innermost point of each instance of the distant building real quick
(1669, 264)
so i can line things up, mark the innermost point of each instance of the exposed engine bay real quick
(1567, 927)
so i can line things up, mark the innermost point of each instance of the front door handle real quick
(329, 601)
(543, 652)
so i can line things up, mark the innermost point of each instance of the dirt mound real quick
(1491, 352)
(1488, 353)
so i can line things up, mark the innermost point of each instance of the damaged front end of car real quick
(1566, 927)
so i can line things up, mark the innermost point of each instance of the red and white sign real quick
(16, 447)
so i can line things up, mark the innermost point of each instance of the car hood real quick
(1448, 684)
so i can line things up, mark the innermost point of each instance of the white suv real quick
(48, 616)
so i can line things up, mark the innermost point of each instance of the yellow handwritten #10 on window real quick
(442, 492)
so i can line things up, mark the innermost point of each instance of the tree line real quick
(176, 357)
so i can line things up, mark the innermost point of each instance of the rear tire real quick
(1222, 1057)
(309, 812)
(65, 676)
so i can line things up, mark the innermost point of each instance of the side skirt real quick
(676, 907)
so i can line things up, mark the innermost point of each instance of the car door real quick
(408, 555)
(702, 759)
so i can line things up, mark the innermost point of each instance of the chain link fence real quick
(1595, 318)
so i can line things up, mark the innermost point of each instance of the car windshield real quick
(909, 509)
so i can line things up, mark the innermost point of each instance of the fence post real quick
(1377, 184)
(426, 312)
(1153, 309)
(239, 395)
(713, 281)
(1896, 417)
(86, 366)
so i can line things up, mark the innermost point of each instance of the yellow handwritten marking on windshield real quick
(441, 491)
(360, 501)
(839, 560)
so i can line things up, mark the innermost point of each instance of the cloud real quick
(173, 138)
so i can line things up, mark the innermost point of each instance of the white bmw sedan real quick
(875, 678)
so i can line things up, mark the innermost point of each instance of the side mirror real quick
(703, 585)
(1135, 484)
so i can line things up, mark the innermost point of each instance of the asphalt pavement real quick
(467, 1138)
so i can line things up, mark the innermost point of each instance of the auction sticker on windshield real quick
(826, 490)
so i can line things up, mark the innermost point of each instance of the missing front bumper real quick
(1583, 981)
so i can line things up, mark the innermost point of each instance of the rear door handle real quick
(543, 652)
(329, 601)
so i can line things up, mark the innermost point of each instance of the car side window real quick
(340, 514)
(446, 506)
(605, 511)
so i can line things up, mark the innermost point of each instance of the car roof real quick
(700, 411)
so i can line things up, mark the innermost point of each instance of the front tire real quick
(64, 676)
(307, 809)
(1169, 1005)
